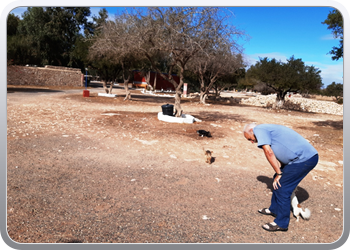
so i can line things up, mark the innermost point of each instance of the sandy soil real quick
(98, 169)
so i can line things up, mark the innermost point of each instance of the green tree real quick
(228, 81)
(79, 56)
(52, 32)
(107, 70)
(292, 76)
(335, 23)
(334, 89)
(99, 20)
(17, 46)
(12, 24)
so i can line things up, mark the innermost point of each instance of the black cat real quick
(203, 133)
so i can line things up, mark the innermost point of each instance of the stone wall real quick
(44, 76)
(296, 102)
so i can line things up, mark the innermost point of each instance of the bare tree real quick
(106, 69)
(106, 44)
(181, 33)
(211, 66)
(174, 33)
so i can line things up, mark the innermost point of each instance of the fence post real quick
(185, 90)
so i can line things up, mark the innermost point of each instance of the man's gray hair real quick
(248, 127)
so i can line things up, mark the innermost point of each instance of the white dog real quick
(297, 210)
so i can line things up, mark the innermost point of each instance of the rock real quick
(204, 217)
(293, 103)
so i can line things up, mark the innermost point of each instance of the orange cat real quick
(207, 155)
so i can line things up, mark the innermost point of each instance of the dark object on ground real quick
(168, 109)
(203, 133)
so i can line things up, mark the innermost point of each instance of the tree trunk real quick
(279, 100)
(127, 91)
(178, 110)
(104, 84)
(148, 78)
(126, 82)
(216, 91)
(203, 91)
(108, 90)
(219, 90)
(110, 87)
(155, 81)
(202, 97)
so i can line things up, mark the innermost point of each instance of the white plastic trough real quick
(107, 95)
(183, 119)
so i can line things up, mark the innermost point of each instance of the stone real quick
(296, 103)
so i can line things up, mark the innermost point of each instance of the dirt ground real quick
(99, 169)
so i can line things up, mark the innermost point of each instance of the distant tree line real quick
(269, 76)
(50, 35)
(199, 44)
(272, 76)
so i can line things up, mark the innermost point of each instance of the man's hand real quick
(276, 165)
(276, 182)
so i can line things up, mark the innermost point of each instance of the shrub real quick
(340, 101)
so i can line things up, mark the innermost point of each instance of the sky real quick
(280, 32)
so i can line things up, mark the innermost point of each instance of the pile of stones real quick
(296, 102)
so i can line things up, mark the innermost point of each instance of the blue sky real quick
(281, 32)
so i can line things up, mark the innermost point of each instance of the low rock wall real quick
(44, 76)
(296, 103)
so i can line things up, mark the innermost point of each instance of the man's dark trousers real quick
(292, 175)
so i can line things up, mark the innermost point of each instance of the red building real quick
(161, 83)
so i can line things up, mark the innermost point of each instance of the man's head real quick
(248, 132)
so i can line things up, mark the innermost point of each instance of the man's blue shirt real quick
(287, 145)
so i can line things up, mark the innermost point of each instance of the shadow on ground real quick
(301, 193)
(334, 124)
(33, 90)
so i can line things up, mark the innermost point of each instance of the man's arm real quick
(270, 156)
(276, 165)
